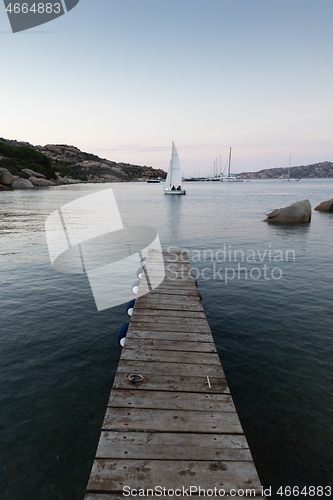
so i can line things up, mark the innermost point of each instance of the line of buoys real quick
(122, 334)
(130, 306)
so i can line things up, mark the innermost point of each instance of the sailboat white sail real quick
(173, 183)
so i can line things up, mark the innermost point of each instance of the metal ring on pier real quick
(135, 377)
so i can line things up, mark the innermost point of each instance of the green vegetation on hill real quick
(73, 171)
(20, 157)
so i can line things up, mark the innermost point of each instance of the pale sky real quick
(123, 79)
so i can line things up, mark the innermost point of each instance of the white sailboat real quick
(229, 177)
(289, 179)
(173, 183)
(289, 167)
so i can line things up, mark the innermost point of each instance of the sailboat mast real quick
(289, 167)
(229, 163)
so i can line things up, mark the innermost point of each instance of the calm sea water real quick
(271, 320)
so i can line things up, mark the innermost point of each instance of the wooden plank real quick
(174, 292)
(170, 400)
(170, 357)
(174, 273)
(118, 496)
(209, 441)
(111, 475)
(171, 294)
(171, 300)
(168, 306)
(134, 333)
(168, 316)
(172, 446)
(173, 284)
(171, 369)
(184, 327)
(154, 382)
(171, 420)
(169, 345)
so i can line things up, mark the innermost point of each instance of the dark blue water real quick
(271, 320)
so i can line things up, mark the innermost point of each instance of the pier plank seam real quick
(178, 426)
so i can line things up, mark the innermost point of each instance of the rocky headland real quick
(316, 170)
(24, 166)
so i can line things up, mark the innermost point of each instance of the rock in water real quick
(297, 212)
(45, 182)
(325, 206)
(6, 177)
(32, 173)
(22, 184)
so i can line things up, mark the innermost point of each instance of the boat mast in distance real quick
(229, 162)
(230, 178)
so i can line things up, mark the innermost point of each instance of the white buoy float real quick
(122, 334)
(130, 307)
(135, 287)
(140, 272)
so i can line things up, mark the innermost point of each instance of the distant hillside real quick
(70, 162)
(317, 170)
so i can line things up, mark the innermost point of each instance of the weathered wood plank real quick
(168, 315)
(173, 284)
(170, 298)
(171, 420)
(152, 298)
(166, 400)
(169, 345)
(111, 475)
(154, 382)
(168, 306)
(118, 496)
(134, 333)
(170, 357)
(170, 369)
(174, 292)
(176, 326)
(209, 441)
(172, 446)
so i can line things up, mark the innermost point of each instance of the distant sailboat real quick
(173, 183)
(289, 167)
(296, 180)
(229, 177)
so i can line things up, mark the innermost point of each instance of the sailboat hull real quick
(231, 179)
(174, 192)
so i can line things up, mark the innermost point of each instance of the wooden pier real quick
(177, 428)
